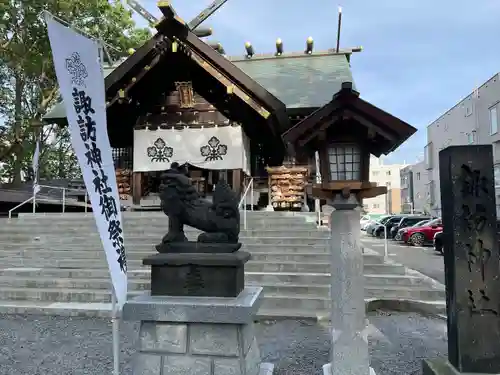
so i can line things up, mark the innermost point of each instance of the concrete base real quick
(441, 367)
(197, 335)
(327, 370)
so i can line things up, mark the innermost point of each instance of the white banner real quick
(81, 83)
(35, 162)
(216, 148)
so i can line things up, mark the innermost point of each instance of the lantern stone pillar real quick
(349, 353)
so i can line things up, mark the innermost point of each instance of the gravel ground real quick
(40, 345)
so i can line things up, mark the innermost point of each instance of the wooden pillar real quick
(237, 181)
(136, 187)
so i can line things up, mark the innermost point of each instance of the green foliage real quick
(28, 85)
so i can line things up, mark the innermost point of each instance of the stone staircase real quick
(55, 264)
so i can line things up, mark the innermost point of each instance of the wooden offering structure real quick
(123, 180)
(345, 132)
(287, 187)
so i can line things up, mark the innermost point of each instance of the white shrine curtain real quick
(217, 148)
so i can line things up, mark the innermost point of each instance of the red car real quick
(420, 236)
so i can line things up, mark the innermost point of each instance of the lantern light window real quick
(344, 162)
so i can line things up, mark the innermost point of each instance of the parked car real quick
(399, 235)
(372, 226)
(438, 242)
(365, 220)
(407, 221)
(420, 236)
(369, 219)
(388, 224)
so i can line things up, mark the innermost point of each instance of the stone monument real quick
(348, 316)
(198, 317)
(471, 260)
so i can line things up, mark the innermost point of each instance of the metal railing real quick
(243, 201)
(63, 198)
(19, 205)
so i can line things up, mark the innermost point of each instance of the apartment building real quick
(414, 188)
(385, 175)
(474, 120)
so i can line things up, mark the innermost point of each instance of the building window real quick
(388, 184)
(375, 205)
(345, 163)
(375, 173)
(493, 120)
(388, 173)
(418, 175)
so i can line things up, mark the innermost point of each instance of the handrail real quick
(64, 195)
(244, 202)
(19, 205)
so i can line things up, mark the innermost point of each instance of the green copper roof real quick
(299, 81)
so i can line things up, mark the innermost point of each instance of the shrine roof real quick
(255, 90)
(299, 80)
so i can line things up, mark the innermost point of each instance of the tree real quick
(28, 84)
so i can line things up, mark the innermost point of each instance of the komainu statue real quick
(219, 219)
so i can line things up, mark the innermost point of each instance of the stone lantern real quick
(345, 132)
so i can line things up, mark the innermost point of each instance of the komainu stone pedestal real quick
(197, 335)
(197, 275)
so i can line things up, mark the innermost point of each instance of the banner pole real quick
(116, 333)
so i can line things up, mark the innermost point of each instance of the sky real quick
(419, 57)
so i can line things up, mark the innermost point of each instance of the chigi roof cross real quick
(193, 24)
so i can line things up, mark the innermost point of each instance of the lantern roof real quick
(382, 132)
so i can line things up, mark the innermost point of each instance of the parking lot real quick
(421, 258)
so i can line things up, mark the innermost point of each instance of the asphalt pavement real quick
(422, 259)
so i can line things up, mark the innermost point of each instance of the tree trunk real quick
(19, 150)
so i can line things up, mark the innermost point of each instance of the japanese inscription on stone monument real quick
(471, 258)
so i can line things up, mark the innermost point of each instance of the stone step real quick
(144, 272)
(280, 299)
(68, 221)
(157, 214)
(89, 219)
(314, 303)
(271, 257)
(93, 240)
(257, 254)
(252, 266)
(148, 248)
(42, 233)
(153, 225)
(301, 283)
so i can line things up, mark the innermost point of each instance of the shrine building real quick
(180, 99)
